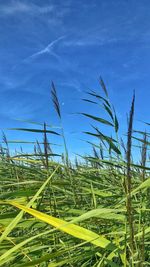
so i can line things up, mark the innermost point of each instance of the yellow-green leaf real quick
(69, 228)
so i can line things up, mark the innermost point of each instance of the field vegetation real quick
(91, 212)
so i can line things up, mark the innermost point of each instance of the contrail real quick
(48, 49)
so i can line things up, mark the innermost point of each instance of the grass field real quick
(91, 212)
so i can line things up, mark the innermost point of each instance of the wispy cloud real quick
(15, 7)
(90, 41)
(20, 102)
(73, 84)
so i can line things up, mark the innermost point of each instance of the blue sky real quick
(72, 43)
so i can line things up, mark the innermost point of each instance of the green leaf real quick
(90, 101)
(103, 86)
(144, 185)
(110, 214)
(6, 257)
(109, 111)
(116, 124)
(98, 119)
(35, 155)
(33, 130)
(109, 140)
(92, 93)
(15, 221)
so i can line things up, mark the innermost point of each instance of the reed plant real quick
(91, 212)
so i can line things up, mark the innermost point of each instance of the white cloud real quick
(73, 83)
(91, 41)
(15, 7)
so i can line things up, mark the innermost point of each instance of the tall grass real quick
(91, 212)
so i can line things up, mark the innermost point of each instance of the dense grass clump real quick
(91, 212)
